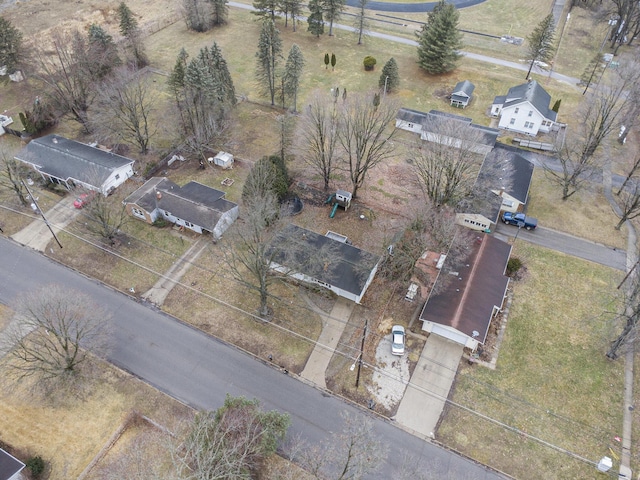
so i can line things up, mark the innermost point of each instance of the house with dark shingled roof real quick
(461, 95)
(524, 109)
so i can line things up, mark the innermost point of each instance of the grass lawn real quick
(552, 379)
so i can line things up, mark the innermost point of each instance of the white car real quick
(397, 340)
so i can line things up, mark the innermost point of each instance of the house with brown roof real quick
(469, 291)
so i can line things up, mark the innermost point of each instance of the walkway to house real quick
(332, 327)
(158, 293)
(428, 389)
(36, 235)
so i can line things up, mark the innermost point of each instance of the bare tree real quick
(11, 173)
(53, 330)
(352, 454)
(231, 442)
(600, 113)
(104, 216)
(68, 74)
(361, 23)
(629, 203)
(207, 135)
(365, 135)
(317, 137)
(629, 316)
(447, 165)
(123, 110)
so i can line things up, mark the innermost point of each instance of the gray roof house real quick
(70, 163)
(461, 95)
(194, 206)
(10, 466)
(469, 291)
(502, 184)
(525, 109)
(322, 260)
(447, 128)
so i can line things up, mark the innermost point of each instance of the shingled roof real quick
(533, 93)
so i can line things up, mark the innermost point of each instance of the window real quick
(516, 110)
(117, 176)
(512, 122)
(138, 212)
(528, 124)
(410, 125)
(531, 113)
(167, 214)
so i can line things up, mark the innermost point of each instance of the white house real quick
(72, 164)
(323, 260)
(194, 206)
(448, 129)
(524, 109)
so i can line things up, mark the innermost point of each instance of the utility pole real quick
(37, 209)
(364, 334)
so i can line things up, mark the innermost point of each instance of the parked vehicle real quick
(520, 220)
(397, 340)
(83, 199)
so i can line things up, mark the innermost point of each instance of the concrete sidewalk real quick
(158, 293)
(428, 389)
(332, 327)
(37, 235)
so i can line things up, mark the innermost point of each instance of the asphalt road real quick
(200, 370)
(565, 243)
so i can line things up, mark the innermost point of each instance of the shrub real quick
(513, 265)
(36, 465)
(369, 62)
(160, 223)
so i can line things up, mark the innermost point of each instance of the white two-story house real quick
(524, 109)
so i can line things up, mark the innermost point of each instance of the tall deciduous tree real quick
(390, 77)
(317, 138)
(439, 40)
(315, 19)
(11, 46)
(232, 442)
(361, 23)
(197, 14)
(447, 166)
(292, 73)
(104, 217)
(269, 55)
(54, 330)
(11, 174)
(540, 47)
(365, 133)
(123, 110)
(629, 203)
(332, 11)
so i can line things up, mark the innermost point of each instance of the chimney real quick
(158, 195)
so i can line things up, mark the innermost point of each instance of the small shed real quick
(343, 198)
(461, 95)
(222, 159)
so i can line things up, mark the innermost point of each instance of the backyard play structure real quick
(339, 199)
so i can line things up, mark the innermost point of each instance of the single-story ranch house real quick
(194, 206)
(323, 260)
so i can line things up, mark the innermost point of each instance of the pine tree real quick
(103, 53)
(332, 11)
(265, 9)
(390, 76)
(128, 23)
(540, 42)
(333, 61)
(219, 11)
(176, 78)
(269, 54)
(10, 45)
(294, 9)
(315, 20)
(223, 83)
(439, 40)
(292, 73)
(326, 61)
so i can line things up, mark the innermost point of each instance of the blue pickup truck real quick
(520, 220)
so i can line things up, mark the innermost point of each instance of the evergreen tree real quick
(361, 24)
(292, 73)
(333, 61)
(103, 52)
(390, 76)
(10, 45)
(439, 40)
(128, 23)
(217, 68)
(326, 61)
(556, 106)
(265, 9)
(294, 9)
(219, 11)
(176, 78)
(269, 55)
(332, 11)
(540, 42)
(315, 20)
